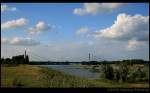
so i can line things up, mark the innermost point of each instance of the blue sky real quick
(66, 22)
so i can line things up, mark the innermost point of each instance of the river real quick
(75, 70)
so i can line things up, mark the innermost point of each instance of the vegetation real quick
(125, 73)
(33, 76)
(108, 72)
(15, 60)
(18, 72)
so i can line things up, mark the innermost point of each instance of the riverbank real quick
(41, 77)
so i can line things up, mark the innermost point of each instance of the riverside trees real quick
(124, 73)
(20, 59)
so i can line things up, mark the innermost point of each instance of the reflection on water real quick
(75, 70)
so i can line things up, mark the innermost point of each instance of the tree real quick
(7, 61)
(108, 71)
(116, 75)
(136, 75)
(123, 72)
(2, 60)
(18, 59)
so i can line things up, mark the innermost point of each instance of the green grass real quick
(38, 77)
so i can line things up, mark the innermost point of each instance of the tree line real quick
(129, 62)
(19, 59)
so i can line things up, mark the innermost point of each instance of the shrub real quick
(123, 72)
(137, 75)
(107, 72)
(116, 75)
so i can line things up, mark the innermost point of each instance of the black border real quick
(69, 1)
(72, 90)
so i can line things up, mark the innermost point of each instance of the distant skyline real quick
(70, 31)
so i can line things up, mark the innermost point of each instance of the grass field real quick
(35, 77)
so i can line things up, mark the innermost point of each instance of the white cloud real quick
(20, 41)
(6, 8)
(82, 30)
(39, 27)
(126, 27)
(14, 23)
(95, 8)
(4, 41)
(134, 44)
(79, 11)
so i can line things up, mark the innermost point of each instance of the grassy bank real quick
(34, 76)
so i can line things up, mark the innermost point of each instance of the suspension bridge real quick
(43, 60)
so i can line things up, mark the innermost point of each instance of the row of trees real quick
(129, 62)
(124, 74)
(20, 59)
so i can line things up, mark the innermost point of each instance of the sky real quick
(70, 31)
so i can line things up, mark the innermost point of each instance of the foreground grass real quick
(34, 76)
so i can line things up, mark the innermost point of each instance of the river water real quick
(75, 70)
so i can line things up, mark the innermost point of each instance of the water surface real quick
(75, 70)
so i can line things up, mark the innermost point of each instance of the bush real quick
(107, 72)
(124, 74)
(116, 75)
(137, 75)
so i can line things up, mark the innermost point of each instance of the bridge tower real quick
(89, 57)
(25, 56)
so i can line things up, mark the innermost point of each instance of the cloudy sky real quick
(70, 31)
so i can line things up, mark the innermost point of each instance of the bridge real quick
(64, 63)
(47, 62)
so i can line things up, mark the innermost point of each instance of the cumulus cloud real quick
(20, 41)
(95, 8)
(39, 27)
(14, 23)
(127, 27)
(133, 29)
(82, 30)
(7, 8)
